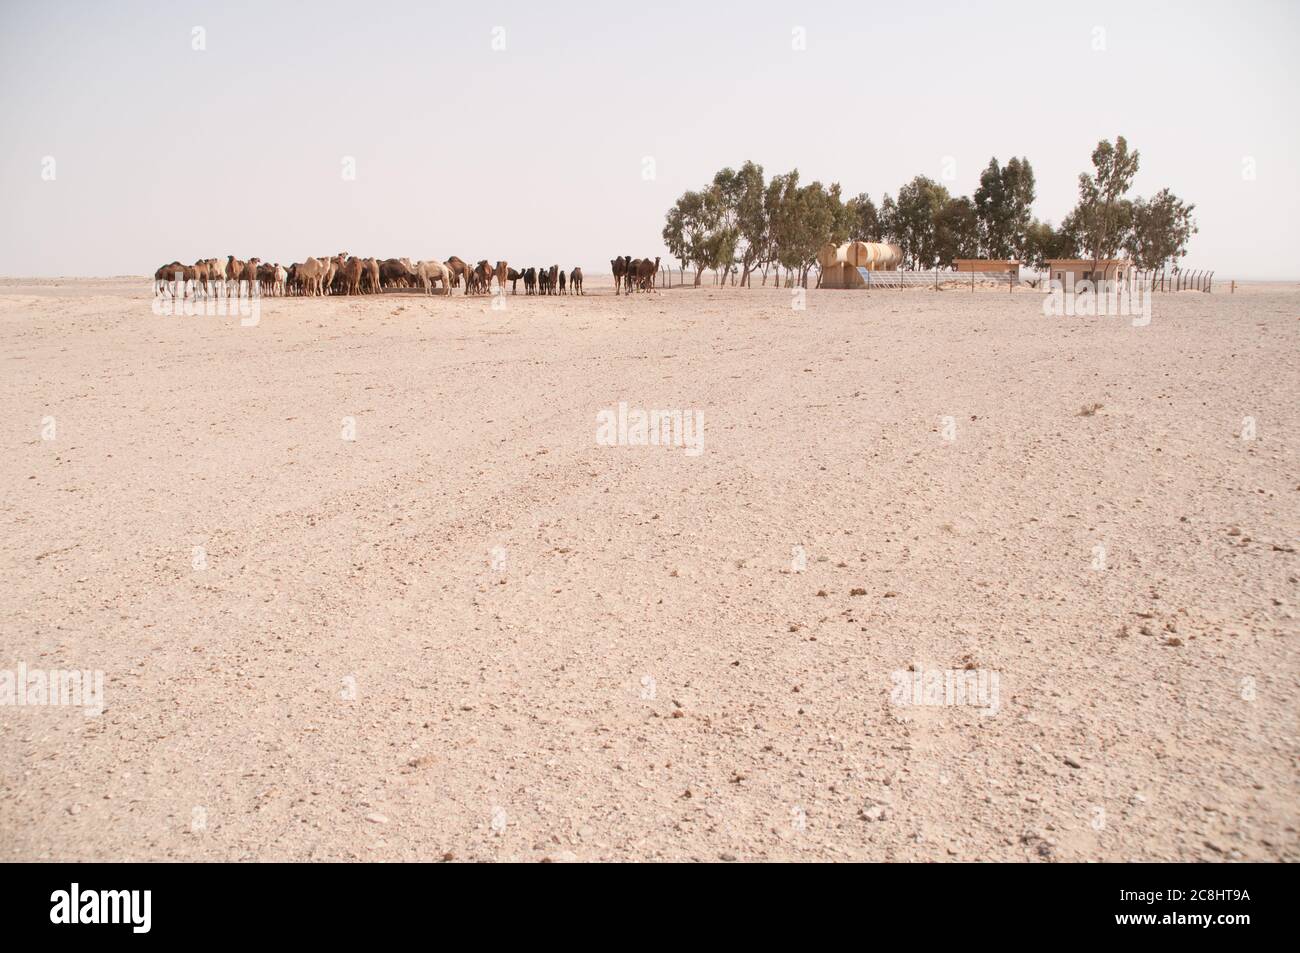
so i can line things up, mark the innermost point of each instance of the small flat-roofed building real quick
(1086, 269)
(991, 266)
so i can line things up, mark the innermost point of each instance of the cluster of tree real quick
(741, 224)
(1152, 232)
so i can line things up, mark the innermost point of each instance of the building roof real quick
(1088, 261)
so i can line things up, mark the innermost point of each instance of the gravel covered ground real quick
(363, 583)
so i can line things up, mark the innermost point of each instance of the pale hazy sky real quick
(535, 153)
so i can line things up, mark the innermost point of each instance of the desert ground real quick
(473, 632)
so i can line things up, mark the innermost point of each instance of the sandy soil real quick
(472, 632)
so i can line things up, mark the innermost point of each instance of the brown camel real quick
(575, 282)
(619, 267)
(250, 273)
(459, 271)
(234, 274)
(646, 274)
(350, 272)
(166, 278)
(397, 272)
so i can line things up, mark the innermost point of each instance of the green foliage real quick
(864, 219)
(742, 221)
(1004, 203)
(1159, 231)
(1100, 211)
(694, 230)
(913, 221)
(957, 231)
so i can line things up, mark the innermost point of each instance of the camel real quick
(234, 271)
(619, 267)
(513, 277)
(530, 281)
(332, 278)
(502, 275)
(311, 276)
(397, 271)
(551, 278)
(279, 280)
(169, 276)
(204, 275)
(217, 274)
(483, 273)
(266, 278)
(350, 274)
(646, 274)
(430, 271)
(561, 280)
(575, 282)
(370, 274)
(543, 280)
(250, 273)
(459, 270)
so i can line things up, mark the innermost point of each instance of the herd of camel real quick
(634, 274)
(347, 274)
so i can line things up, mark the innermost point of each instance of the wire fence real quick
(1200, 279)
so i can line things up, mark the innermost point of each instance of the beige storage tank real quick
(831, 255)
(889, 257)
(860, 254)
(873, 256)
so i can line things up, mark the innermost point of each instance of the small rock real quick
(375, 818)
(1073, 762)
